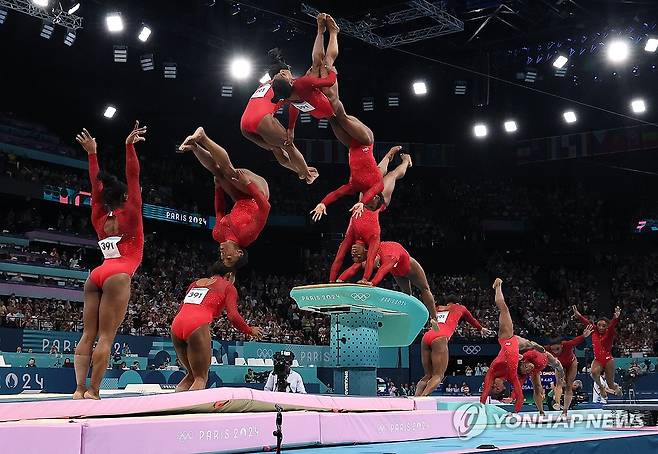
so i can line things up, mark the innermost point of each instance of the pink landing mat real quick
(228, 400)
(218, 432)
(431, 402)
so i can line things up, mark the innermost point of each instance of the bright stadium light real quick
(41, 3)
(114, 22)
(560, 61)
(109, 111)
(265, 78)
(638, 106)
(652, 45)
(480, 130)
(74, 8)
(420, 88)
(618, 51)
(144, 34)
(240, 68)
(569, 116)
(510, 126)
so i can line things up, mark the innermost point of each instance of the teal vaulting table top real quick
(402, 315)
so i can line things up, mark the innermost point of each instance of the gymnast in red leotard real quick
(434, 345)
(563, 351)
(509, 364)
(259, 125)
(204, 301)
(540, 361)
(237, 229)
(116, 214)
(603, 363)
(392, 258)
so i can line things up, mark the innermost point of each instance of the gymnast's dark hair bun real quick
(114, 191)
(277, 63)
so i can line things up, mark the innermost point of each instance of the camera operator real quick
(283, 378)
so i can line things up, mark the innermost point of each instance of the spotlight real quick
(638, 106)
(70, 37)
(560, 61)
(618, 51)
(652, 45)
(420, 88)
(266, 77)
(47, 30)
(41, 3)
(120, 54)
(460, 87)
(169, 70)
(480, 130)
(530, 75)
(3, 16)
(240, 68)
(569, 116)
(368, 104)
(394, 100)
(109, 111)
(144, 34)
(276, 28)
(227, 91)
(74, 7)
(251, 20)
(114, 22)
(510, 126)
(235, 9)
(147, 63)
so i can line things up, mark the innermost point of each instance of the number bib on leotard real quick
(260, 92)
(196, 295)
(442, 316)
(109, 247)
(303, 106)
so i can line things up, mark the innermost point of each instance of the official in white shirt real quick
(295, 383)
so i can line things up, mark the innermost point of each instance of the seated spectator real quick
(31, 363)
(67, 363)
(135, 365)
(19, 349)
(465, 389)
(249, 377)
(53, 350)
(469, 371)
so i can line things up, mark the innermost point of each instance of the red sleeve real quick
(584, 320)
(293, 113)
(309, 82)
(96, 185)
(132, 176)
(345, 246)
(231, 301)
(518, 393)
(385, 268)
(486, 388)
(220, 202)
(258, 196)
(471, 320)
(613, 323)
(573, 342)
(342, 191)
(373, 249)
(373, 191)
(350, 272)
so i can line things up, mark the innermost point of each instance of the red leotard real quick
(448, 321)
(602, 343)
(129, 220)
(260, 104)
(245, 221)
(204, 303)
(393, 258)
(505, 366)
(364, 176)
(313, 100)
(538, 359)
(364, 229)
(567, 356)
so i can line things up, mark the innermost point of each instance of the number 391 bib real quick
(109, 247)
(196, 295)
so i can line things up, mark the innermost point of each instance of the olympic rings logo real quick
(360, 296)
(472, 349)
